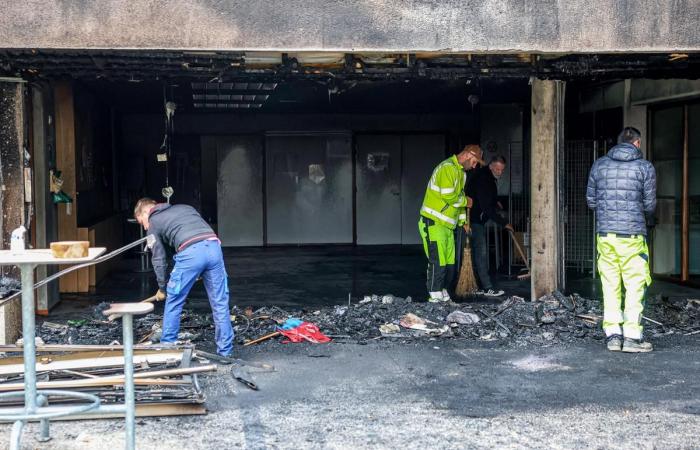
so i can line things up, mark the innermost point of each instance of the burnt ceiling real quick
(141, 66)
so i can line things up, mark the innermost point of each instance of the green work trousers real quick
(439, 246)
(623, 260)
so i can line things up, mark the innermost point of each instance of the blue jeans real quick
(202, 258)
(480, 255)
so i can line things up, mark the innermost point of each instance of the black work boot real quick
(614, 342)
(636, 346)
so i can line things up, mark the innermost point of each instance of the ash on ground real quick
(554, 319)
(8, 286)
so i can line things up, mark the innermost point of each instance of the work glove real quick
(160, 295)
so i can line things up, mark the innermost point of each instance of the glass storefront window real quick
(667, 157)
(694, 189)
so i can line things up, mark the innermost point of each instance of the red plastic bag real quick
(305, 332)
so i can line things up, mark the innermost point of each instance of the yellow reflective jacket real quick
(445, 201)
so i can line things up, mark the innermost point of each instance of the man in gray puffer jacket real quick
(622, 191)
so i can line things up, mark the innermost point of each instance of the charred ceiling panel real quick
(331, 68)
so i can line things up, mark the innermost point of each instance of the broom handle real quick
(263, 338)
(520, 250)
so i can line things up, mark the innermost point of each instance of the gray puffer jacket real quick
(622, 191)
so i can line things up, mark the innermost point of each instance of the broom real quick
(525, 275)
(466, 285)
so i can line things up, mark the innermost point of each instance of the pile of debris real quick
(555, 318)
(8, 286)
(165, 378)
(95, 328)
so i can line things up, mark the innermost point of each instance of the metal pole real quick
(559, 182)
(44, 423)
(685, 212)
(129, 399)
(16, 436)
(510, 207)
(28, 331)
(100, 410)
(595, 238)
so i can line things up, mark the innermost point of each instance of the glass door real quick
(667, 157)
(694, 191)
(675, 153)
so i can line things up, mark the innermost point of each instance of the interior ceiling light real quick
(239, 86)
(228, 105)
(221, 96)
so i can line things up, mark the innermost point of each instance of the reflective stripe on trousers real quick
(439, 247)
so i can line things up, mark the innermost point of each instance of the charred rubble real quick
(514, 322)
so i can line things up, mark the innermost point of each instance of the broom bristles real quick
(466, 285)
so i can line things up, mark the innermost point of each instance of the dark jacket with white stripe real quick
(622, 191)
(177, 227)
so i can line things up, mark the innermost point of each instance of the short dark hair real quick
(629, 135)
(498, 158)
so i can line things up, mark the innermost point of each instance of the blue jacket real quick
(175, 227)
(622, 191)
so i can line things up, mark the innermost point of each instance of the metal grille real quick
(518, 201)
(579, 231)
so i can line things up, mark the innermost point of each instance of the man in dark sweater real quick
(483, 190)
(197, 253)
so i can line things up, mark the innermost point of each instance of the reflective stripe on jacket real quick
(445, 201)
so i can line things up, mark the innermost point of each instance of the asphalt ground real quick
(430, 394)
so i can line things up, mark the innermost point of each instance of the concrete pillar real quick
(12, 116)
(546, 137)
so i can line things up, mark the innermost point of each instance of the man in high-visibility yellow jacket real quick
(443, 210)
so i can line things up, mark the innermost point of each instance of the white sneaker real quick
(435, 297)
(492, 293)
(446, 296)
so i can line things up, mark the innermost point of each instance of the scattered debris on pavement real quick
(555, 318)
